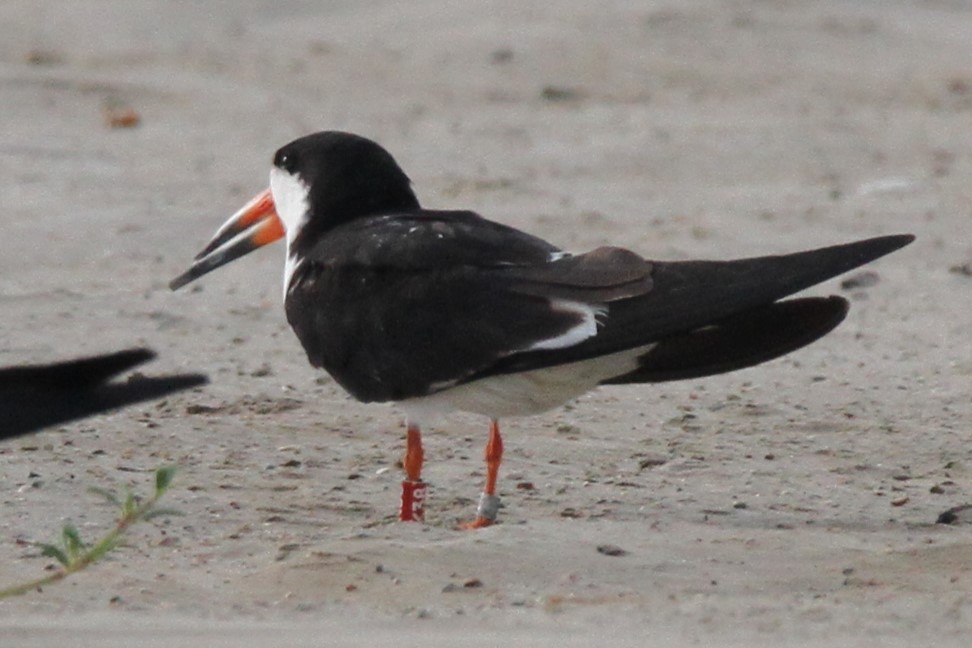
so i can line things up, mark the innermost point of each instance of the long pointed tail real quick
(738, 342)
(692, 303)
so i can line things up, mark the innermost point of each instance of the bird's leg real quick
(413, 488)
(489, 501)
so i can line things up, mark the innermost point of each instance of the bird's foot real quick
(478, 523)
(485, 513)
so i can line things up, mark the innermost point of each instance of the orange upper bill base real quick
(260, 207)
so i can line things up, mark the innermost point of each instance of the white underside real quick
(523, 394)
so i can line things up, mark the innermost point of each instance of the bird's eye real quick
(285, 160)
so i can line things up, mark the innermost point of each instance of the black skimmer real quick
(33, 397)
(445, 310)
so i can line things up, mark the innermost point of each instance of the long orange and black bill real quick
(253, 226)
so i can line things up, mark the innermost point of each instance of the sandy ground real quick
(791, 504)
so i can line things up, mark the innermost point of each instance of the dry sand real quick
(791, 504)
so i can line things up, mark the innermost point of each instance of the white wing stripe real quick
(585, 329)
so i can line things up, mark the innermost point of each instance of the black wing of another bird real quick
(38, 396)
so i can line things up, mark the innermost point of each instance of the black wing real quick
(688, 295)
(39, 396)
(743, 340)
(428, 239)
(399, 306)
(395, 307)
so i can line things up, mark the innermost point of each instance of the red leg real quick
(489, 501)
(413, 488)
(493, 455)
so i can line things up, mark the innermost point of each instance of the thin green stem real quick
(130, 515)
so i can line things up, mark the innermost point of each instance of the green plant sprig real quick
(74, 555)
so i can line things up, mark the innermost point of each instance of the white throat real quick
(290, 196)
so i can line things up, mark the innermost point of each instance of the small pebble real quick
(964, 269)
(956, 515)
(262, 371)
(501, 55)
(611, 550)
(559, 93)
(864, 279)
(121, 117)
(44, 57)
(652, 462)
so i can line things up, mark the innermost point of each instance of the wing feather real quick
(400, 306)
(397, 306)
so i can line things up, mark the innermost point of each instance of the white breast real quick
(290, 197)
